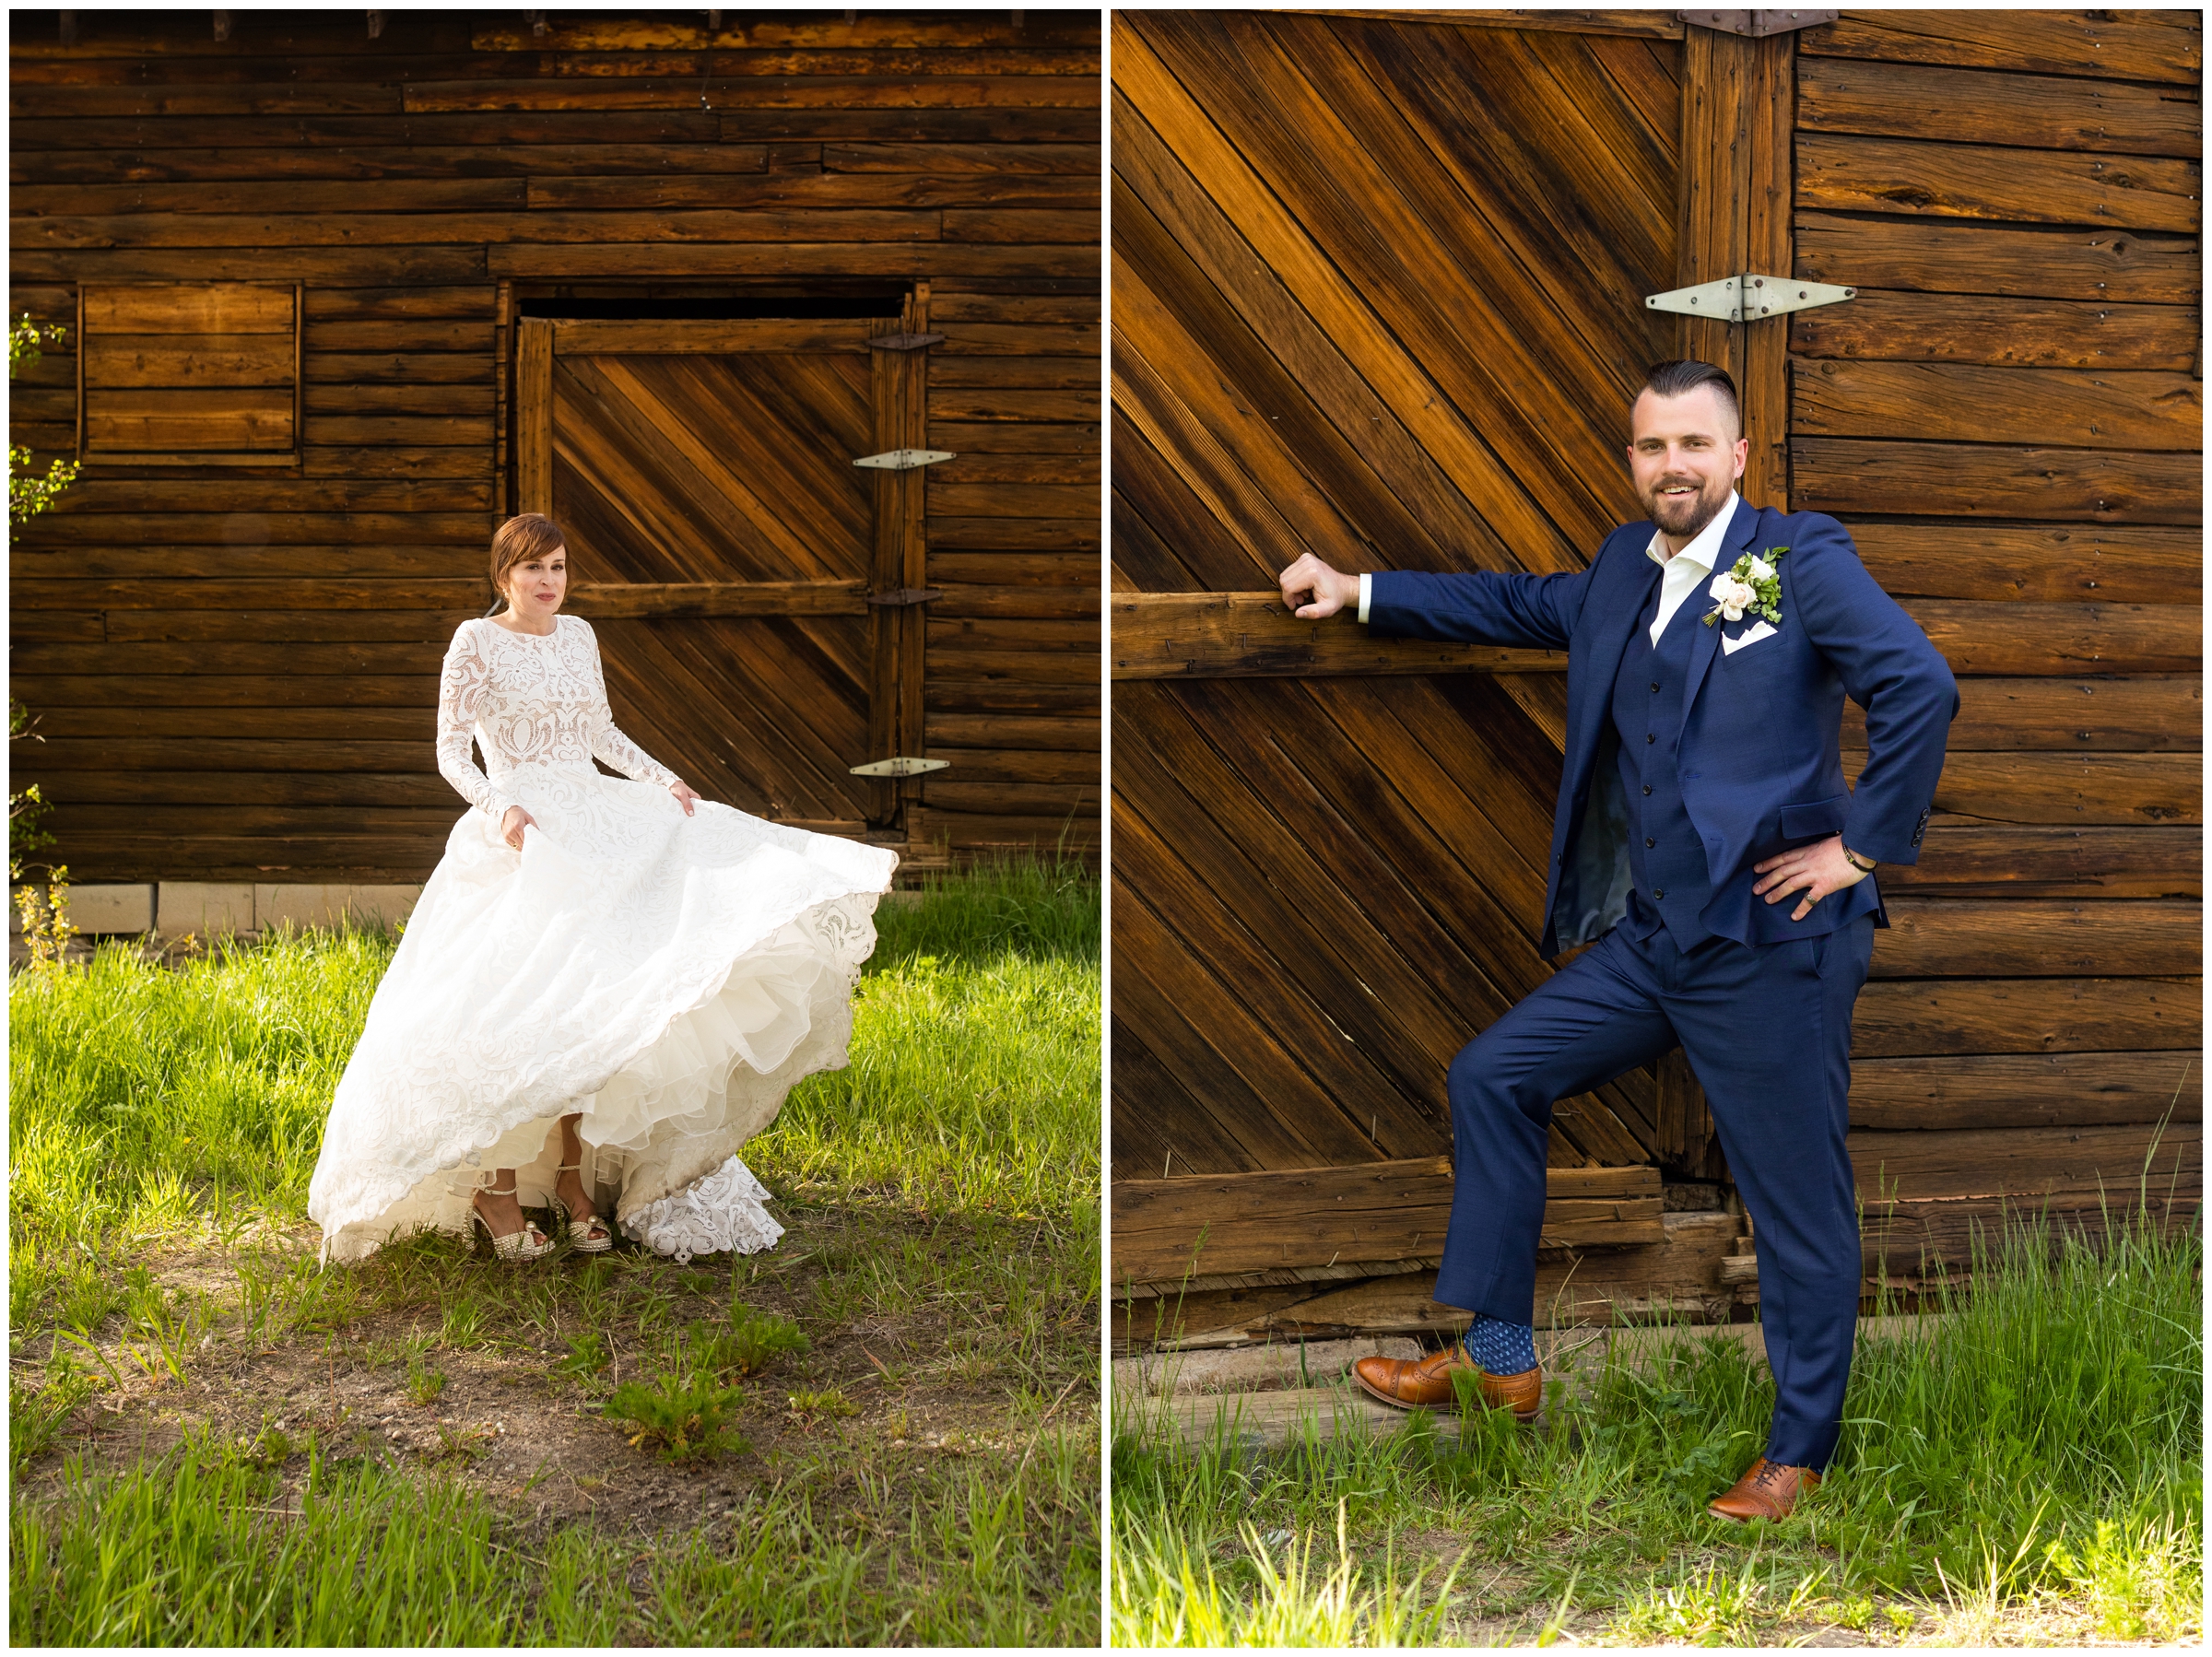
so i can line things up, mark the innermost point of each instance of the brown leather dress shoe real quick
(1766, 1490)
(1405, 1384)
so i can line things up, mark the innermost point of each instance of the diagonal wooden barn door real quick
(744, 575)
(1379, 294)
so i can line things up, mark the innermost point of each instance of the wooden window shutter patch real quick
(199, 374)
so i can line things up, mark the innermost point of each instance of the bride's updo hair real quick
(524, 536)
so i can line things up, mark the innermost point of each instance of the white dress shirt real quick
(1685, 571)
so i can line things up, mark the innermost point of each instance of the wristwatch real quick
(1851, 858)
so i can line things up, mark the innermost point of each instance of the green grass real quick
(214, 1440)
(2031, 1460)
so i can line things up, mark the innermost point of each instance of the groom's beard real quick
(1685, 515)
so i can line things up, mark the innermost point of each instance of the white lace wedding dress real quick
(669, 977)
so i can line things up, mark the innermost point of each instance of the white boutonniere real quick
(1752, 588)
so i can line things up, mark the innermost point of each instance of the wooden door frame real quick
(1734, 182)
(899, 390)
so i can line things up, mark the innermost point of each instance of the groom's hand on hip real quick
(1818, 869)
(1312, 591)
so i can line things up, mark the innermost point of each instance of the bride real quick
(644, 970)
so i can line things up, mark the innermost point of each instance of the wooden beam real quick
(1739, 118)
(666, 601)
(534, 416)
(1220, 1225)
(1251, 635)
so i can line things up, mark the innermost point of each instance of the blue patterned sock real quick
(1502, 1348)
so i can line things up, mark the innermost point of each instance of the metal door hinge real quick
(905, 342)
(904, 460)
(906, 595)
(1747, 297)
(899, 765)
(1759, 24)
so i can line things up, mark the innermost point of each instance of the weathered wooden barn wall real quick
(1379, 294)
(233, 664)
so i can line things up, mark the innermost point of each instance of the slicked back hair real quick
(1677, 378)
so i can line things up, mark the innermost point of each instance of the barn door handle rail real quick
(898, 596)
(906, 342)
(647, 601)
(1747, 297)
(1251, 635)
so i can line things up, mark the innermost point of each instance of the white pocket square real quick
(1750, 635)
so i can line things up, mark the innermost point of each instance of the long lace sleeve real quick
(608, 744)
(461, 684)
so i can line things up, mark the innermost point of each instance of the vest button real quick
(1649, 737)
(1654, 686)
(1649, 840)
(1647, 788)
(1658, 894)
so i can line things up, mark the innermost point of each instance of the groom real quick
(1706, 847)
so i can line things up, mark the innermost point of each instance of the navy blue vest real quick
(1668, 879)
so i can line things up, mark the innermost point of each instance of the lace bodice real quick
(527, 700)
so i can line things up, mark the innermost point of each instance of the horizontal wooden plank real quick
(109, 786)
(1083, 160)
(1073, 732)
(1901, 1018)
(1961, 402)
(829, 192)
(1051, 603)
(668, 601)
(1001, 764)
(1988, 480)
(2041, 639)
(419, 229)
(62, 755)
(214, 307)
(1982, 106)
(255, 659)
(2165, 47)
(1915, 327)
(583, 337)
(416, 724)
(702, 260)
(2106, 789)
(353, 266)
(463, 535)
(2074, 715)
(214, 689)
(189, 361)
(285, 195)
(1207, 635)
(1969, 181)
(1969, 1162)
(225, 419)
(369, 159)
(2026, 1090)
(1930, 255)
(1903, 1236)
(1214, 1225)
(2113, 564)
(1940, 937)
(1962, 857)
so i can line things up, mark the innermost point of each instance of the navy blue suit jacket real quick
(1761, 766)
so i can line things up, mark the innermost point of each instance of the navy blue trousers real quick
(1767, 1031)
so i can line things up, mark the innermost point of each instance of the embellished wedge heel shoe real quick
(590, 1234)
(518, 1248)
